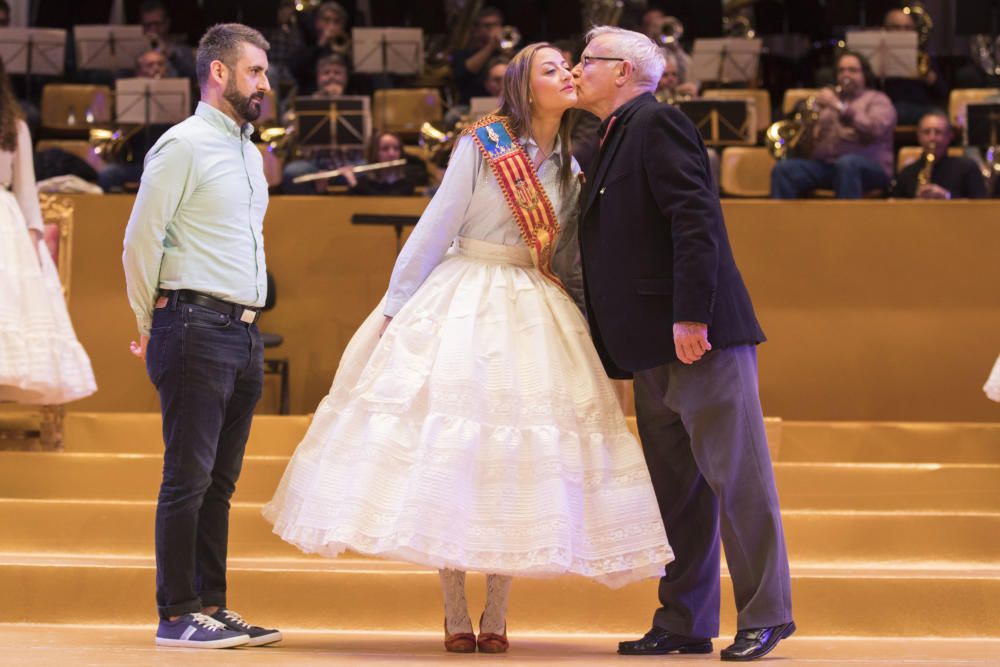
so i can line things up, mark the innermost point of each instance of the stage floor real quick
(82, 646)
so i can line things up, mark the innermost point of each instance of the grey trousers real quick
(702, 433)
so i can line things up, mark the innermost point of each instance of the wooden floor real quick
(81, 646)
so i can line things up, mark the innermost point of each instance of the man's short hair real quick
(334, 7)
(153, 6)
(644, 54)
(224, 42)
(332, 59)
(936, 113)
(866, 66)
(487, 12)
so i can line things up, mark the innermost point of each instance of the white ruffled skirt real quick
(41, 360)
(479, 433)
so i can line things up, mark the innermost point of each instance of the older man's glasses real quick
(587, 60)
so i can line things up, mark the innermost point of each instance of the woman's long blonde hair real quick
(515, 107)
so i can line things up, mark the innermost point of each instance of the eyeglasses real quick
(586, 60)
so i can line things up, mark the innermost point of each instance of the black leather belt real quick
(236, 311)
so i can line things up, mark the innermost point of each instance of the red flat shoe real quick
(490, 642)
(461, 642)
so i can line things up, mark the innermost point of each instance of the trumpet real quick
(671, 32)
(510, 37)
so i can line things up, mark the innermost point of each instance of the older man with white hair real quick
(658, 267)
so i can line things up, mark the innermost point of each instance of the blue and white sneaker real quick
(198, 631)
(258, 635)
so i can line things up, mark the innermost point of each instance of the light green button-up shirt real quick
(197, 222)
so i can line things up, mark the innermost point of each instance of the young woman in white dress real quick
(470, 425)
(41, 360)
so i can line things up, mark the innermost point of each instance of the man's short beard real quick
(243, 106)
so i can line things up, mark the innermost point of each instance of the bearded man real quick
(196, 279)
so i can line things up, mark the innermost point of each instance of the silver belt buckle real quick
(248, 316)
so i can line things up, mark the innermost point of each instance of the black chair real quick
(275, 366)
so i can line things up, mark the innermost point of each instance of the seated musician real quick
(672, 85)
(946, 177)
(394, 181)
(913, 97)
(332, 80)
(117, 175)
(850, 137)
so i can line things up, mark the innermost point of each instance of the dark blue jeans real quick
(209, 372)
(850, 176)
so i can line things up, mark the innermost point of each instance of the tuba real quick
(925, 24)
(736, 21)
(437, 59)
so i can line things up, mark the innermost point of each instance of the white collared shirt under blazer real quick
(479, 432)
(198, 220)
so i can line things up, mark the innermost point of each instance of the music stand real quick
(110, 47)
(144, 102)
(333, 122)
(480, 106)
(396, 221)
(893, 55)
(725, 59)
(387, 50)
(31, 51)
(982, 125)
(722, 122)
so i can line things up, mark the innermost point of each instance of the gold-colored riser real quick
(127, 529)
(902, 487)
(356, 596)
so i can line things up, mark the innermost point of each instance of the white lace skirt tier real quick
(41, 360)
(479, 433)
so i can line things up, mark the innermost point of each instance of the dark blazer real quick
(654, 245)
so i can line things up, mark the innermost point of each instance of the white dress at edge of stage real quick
(41, 360)
(992, 386)
(480, 432)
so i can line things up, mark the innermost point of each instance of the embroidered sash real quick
(523, 191)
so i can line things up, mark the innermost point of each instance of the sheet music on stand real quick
(722, 122)
(387, 50)
(725, 59)
(891, 54)
(152, 101)
(111, 47)
(983, 125)
(333, 122)
(33, 50)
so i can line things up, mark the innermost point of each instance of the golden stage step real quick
(820, 486)
(890, 442)
(141, 433)
(360, 595)
(858, 442)
(126, 528)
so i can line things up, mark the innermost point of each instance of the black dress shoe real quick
(659, 642)
(753, 644)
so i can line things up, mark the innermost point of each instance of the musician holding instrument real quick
(327, 34)
(155, 20)
(469, 65)
(390, 182)
(849, 134)
(332, 79)
(937, 175)
(914, 97)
